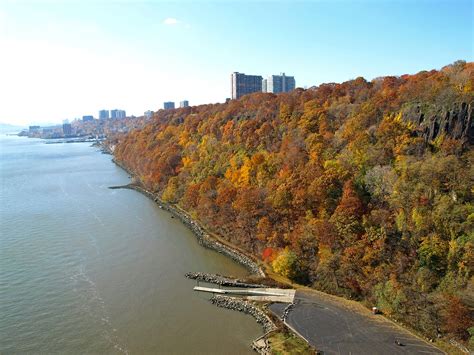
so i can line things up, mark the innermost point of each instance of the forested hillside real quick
(362, 189)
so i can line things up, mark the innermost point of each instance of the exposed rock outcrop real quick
(456, 123)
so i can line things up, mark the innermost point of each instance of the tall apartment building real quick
(118, 114)
(184, 103)
(169, 105)
(242, 84)
(67, 129)
(87, 118)
(280, 83)
(103, 114)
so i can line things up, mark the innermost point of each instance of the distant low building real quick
(47, 131)
(87, 118)
(33, 129)
(104, 114)
(148, 114)
(184, 103)
(169, 105)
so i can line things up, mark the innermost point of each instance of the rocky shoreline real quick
(105, 149)
(203, 237)
(260, 345)
(241, 305)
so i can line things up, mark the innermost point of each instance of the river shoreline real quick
(260, 344)
(260, 314)
(203, 236)
(112, 276)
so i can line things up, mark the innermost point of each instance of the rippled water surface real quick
(87, 269)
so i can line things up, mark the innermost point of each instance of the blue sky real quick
(65, 59)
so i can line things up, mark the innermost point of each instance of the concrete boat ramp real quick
(254, 294)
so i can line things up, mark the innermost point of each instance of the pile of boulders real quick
(243, 306)
(261, 345)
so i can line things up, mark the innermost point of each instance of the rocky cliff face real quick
(455, 123)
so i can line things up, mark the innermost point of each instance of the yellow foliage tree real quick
(285, 263)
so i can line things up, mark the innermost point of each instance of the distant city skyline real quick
(68, 58)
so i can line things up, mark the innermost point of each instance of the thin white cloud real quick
(170, 21)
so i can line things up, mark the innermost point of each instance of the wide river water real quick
(89, 270)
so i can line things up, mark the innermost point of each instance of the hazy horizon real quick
(71, 59)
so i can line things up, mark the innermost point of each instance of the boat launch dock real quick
(254, 294)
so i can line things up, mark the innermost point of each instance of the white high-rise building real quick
(280, 83)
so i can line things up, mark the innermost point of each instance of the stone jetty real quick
(220, 280)
(243, 306)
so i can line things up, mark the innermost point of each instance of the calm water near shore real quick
(87, 269)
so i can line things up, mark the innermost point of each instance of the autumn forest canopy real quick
(361, 189)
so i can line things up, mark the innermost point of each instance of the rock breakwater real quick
(246, 307)
(220, 280)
